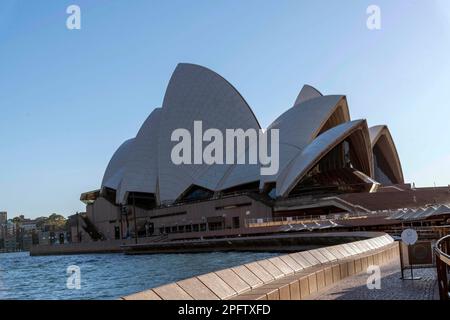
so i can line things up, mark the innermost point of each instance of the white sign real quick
(409, 236)
(73, 22)
(234, 143)
(74, 277)
(374, 280)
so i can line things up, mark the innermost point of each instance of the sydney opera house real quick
(331, 168)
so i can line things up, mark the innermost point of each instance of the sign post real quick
(410, 237)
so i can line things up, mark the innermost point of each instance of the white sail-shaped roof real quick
(307, 132)
(141, 170)
(114, 171)
(301, 124)
(297, 127)
(307, 93)
(381, 138)
(197, 93)
(318, 148)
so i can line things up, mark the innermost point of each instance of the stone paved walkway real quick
(392, 287)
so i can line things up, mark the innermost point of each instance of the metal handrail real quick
(304, 219)
(441, 249)
(175, 203)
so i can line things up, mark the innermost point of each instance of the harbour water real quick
(106, 276)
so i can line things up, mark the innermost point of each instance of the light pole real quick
(135, 222)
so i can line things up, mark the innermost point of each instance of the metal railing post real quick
(442, 265)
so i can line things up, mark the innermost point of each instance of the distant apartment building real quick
(20, 234)
(28, 225)
(26, 241)
(3, 220)
(10, 228)
(53, 237)
(3, 217)
(10, 244)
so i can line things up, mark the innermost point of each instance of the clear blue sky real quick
(68, 99)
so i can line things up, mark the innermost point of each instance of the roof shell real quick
(114, 171)
(141, 170)
(381, 135)
(317, 149)
(197, 93)
(301, 124)
(308, 130)
(307, 93)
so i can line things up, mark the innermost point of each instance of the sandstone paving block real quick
(365, 263)
(328, 276)
(294, 289)
(310, 258)
(196, 289)
(375, 259)
(378, 243)
(328, 254)
(369, 244)
(281, 281)
(358, 265)
(260, 272)
(282, 266)
(343, 267)
(250, 297)
(363, 245)
(350, 249)
(370, 260)
(355, 248)
(271, 268)
(301, 260)
(336, 273)
(249, 277)
(304, 287)
(291, 263)
(320, 279)
(336, 252)
(274, 295)
(172, 292)
(217, 285)
(233, 280)
(385, 256)
(385, 240)
(284, 291)
(271, 293)
(380, 257)
(351, 267)
(340, 251)
(319, 256)
(312, 281)
(144, 295)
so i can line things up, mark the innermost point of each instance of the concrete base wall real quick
(297, 276)
(79, 248)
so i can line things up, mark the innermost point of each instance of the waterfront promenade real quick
(392, 287)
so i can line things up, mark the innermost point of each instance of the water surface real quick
(106, 276)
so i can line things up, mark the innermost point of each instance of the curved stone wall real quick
(295, 276)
